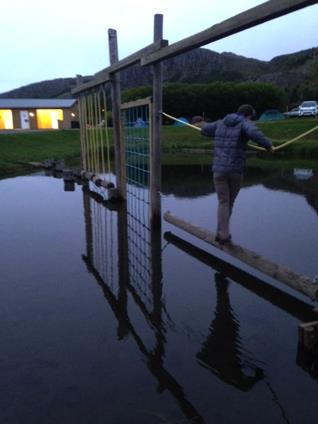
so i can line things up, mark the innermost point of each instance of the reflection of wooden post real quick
(88, 225)
(123, 267)
(116, 102)
(156, 276)
(155, 148)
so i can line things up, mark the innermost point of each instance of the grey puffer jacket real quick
(230, 137)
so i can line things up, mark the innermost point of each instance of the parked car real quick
(292, 113)
(308, 108)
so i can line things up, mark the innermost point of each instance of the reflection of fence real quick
(101, 238)
(124, 255)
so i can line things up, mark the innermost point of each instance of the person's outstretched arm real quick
(255, 134)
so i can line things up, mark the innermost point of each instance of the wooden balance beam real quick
(298, 282)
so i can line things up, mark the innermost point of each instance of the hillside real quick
(297, 73)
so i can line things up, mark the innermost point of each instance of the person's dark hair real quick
(247, 110)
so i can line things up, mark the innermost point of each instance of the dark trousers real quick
(227, 187)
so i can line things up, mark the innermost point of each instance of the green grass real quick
(18, 149)
(278, 132)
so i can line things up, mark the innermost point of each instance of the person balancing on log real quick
(230, 135)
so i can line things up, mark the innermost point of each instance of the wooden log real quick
(247, 279)
(298, 282)
(252, 17)
(308, 335)
(59, 166)
(114, 194)
(68, 175)
(49, 163)
(107, 184)
(96, 179)
(37, 164)
(69, 185)
(87, 175)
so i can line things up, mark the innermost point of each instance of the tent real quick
(140, 123)
(180, 124)
(271, 115)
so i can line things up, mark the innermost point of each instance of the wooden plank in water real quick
(247, 279)
(298, 282)
(37, 164)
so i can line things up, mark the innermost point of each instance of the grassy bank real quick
(17, 149)
(278, 132)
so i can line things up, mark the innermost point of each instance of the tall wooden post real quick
(116, 102)
(155, 148)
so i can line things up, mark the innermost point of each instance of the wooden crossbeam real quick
(252, 17)
(298, 282)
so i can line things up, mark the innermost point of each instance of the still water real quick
(104, 321)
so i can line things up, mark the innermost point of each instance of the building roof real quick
(36, 103)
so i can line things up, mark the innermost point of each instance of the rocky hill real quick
(297, 73)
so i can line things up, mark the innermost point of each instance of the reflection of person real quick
(222, 352)
(230, 137)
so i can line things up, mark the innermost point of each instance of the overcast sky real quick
(43, 40)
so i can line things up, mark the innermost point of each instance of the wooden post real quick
(155, 148)
(79, 81)
(116, 102)
(308, 335)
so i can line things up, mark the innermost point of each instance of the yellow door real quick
(48, 118)
(6, 120)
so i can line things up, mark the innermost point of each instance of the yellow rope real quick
(106, 130)
(97, 134)
(101, 132)
(296, 138)
(87, 138)
(251, 145)
(182, 122)
(82, 131)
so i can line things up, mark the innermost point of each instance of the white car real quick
(308, 108)
(292, 113)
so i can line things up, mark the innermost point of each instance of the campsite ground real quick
(179, 145)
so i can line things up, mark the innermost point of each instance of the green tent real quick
(271, 115)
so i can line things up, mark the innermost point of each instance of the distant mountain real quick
(297, 73)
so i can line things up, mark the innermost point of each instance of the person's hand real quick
(198, 121)
(199, 124)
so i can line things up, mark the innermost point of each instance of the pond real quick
(105, 321)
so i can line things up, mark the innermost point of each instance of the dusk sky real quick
(44, 40)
